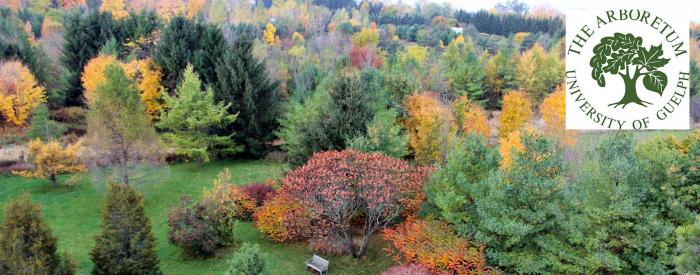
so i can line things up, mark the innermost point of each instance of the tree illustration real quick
(624, 55)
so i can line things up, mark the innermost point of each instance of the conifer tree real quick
(27, 245)
(44, 128)
(243, 81)
(125, 244)
(191, 115)
(248, 260)
(120, 136)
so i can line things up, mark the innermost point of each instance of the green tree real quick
(248, 260)
(84, 35)
(464, 70)
(243, 81)
(44, 128)
(688, 245)
(119, 135)
(190, 117)
(27, 245)
(383, 135)
(624, 55)
(453, 187)
(125, 244)
(522, 214)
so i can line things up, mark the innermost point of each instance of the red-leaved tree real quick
(349, 188)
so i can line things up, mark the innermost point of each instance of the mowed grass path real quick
(74, 215)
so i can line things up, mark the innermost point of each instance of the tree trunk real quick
(347, 239)
(363, 245)
(630, 93)
(52, 178)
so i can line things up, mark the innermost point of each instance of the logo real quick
(627, 68)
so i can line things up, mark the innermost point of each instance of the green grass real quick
(74, 215)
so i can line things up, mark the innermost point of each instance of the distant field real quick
(73, 213)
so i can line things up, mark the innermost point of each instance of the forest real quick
(246, 137)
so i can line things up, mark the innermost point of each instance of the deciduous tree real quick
(340, 185)
(553, 112)
(51, 159)
(517, 110)
(119, 133)
(20, 94)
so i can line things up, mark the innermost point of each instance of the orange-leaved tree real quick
(508, 145)
(116, 7)
(553, 112)
(430, 125)
(470, 117)
(94, 74)
(283, 219)
(434, 245)
(20, 94)
(516, 111)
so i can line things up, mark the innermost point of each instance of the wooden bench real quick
(317, 263)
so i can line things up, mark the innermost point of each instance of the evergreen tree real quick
(688, 243)
(191, 115)
(125, 244)
(248, 260)
(243, 81)
(44, 128)
(383, 135)
(453, 187)
(84, 35)
(213, 47)
(464, 70)
(522, 214)
(26, 243)
(119, 136)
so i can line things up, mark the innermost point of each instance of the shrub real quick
(27, 245)
(194, 229)
(348, 187)
(248, 260)
(229, 201)
(407, 269)
(69, 115)
(283, 219)
(434, 245)
(259, 192)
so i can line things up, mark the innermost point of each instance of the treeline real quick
(507, 23)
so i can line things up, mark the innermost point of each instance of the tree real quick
(94, 74)
(51, 159)
(632, 62)
(190, 117)
(688, 259)
(470, 117)
(248, 260)
(539, 72)
(243, 82)
(464, 70)
(44, 128)
(342, 186)
(430, 126)
(20, 94)
(508, 146)
(84, 35)
(119, 133)
(27, 245)
(521, 213)
(452, 188)
(517, 110)
(553, 112)
(383, 135)
(283, 219)
(269, 34)
(116, 7)
(125, 244)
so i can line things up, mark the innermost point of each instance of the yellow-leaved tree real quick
(116, 7)
(553, 112)
(516, 111)
(144, 72)
(269, 34)
(509, 144)
(430, 125)
(470, 117)
(94, 74)
(51, 159)
(20, 94)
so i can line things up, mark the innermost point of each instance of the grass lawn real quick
(74, 215)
